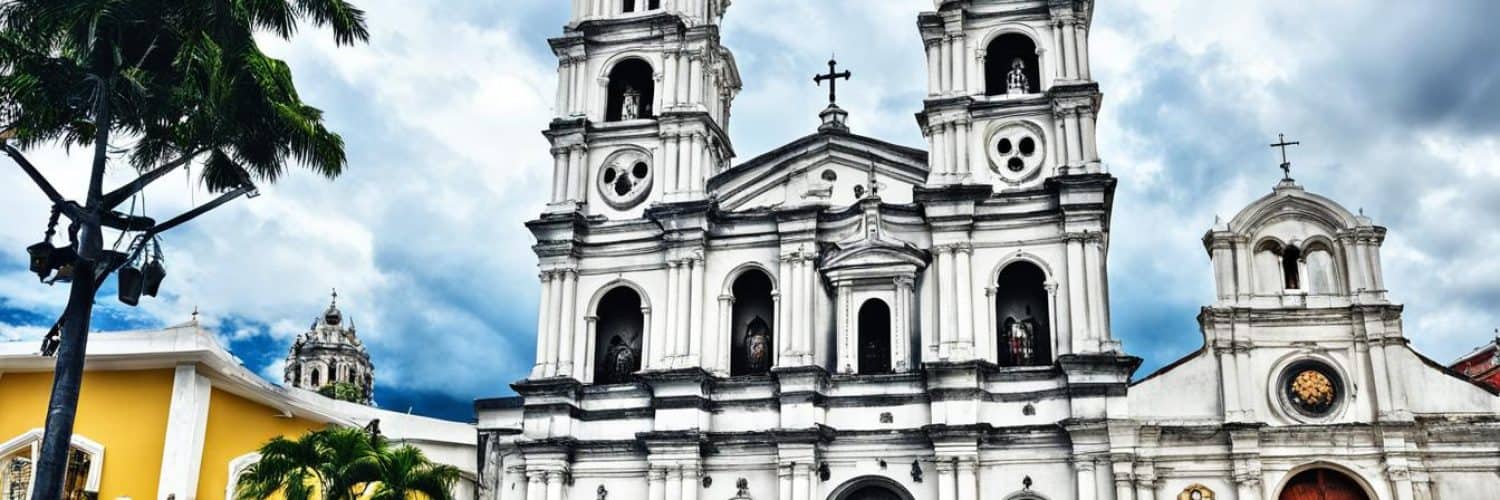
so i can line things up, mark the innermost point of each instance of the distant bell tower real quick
(1011, 101)
(329, 353)
(643, 103)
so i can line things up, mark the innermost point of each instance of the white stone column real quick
(960, 43)
(580, 91)
(1088, 486)
(800, 490)
(1094, 272)
(1059, 72)
(725, 346)
(1083, 52)
(809, 314)
(948, 302)
(1070, 48)
(843, 326)
(670, 313)
(695, 79)
(784, 482)
(901, 326)
(668, 164)
(674, 482)
(554, 485)
(953, 149)
(585, 364)
(965, 298)
(536, 485)
(695, 161)
(651, 343)
(695, 329)
(1059, 147)
(683, 313)
(934, 62)
(1053, 321)
(945, 73)
(668, 88)
(1090, 141)
(1377, 275)
(568, 335)
(787, 335)
(559, 174)
(963, 141)
(570, 181)
(946, 486)
(1077, 303)
(564, 84)
(968, 486)
(684, 76)
(939, 155)
(1075, 139)
(548, 320)
(656, 484)
(582, 195)
(989, 343)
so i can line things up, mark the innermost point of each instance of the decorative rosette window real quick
(1312, 389)
(1017, 152)
(625, 179)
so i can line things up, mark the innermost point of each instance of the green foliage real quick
(184, 80)
(340, 463)
(343, 391)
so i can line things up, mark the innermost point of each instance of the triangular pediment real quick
(820, 168)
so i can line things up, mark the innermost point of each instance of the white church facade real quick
(844, 318)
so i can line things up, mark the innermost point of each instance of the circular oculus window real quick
(625, 179)
(1016, 153)
(1311, 389)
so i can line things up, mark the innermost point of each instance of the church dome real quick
(330, 353)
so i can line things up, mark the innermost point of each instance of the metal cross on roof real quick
(1286, 166)
(832, 77)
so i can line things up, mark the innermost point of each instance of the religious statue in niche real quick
(1020, 337)
(1015, 80)
(758, 346)
(620, 361)
(630, 108)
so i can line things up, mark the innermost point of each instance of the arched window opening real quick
(1011, 66)
(873, 492)
(1291, 258)
(1322, 484)
(1322, 279)
(874, 338)
(317, 379)
(752, 339)
(631, 89)
(618, 336)
(18, 464)
(1025, 336)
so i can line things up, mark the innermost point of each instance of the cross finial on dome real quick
(335, 300)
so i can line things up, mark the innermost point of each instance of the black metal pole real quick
(67, 378)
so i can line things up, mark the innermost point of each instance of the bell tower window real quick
(1011, 66)
(631, 90)
(1290, 258)
(1021, 307)
(618, 336)
(753, 340)
(641, 5)
(874, 337)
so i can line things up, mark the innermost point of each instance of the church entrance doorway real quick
(874, 337)
(1323, 484)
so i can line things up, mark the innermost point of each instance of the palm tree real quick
(340, 463)
(183, 82)
(404, 473)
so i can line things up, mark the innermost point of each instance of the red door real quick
(1322, 484)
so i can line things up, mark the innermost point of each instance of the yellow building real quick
(170, 413)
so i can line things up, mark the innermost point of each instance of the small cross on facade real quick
(832, 77)
(1286, 166)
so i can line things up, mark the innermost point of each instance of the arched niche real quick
(874, 341)
(752, 316)
(619, 330)
(1320, 268)
(630, 91)
(1023, 334)
(1012, 65)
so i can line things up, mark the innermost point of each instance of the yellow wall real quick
(237, 426)
(125, 411)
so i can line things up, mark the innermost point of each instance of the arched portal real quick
(1024, 322)
(1323, 484)
(1011, 66)
(752, 338)
(870, 488)
(631, 89)
(874, 337)
(618, 336)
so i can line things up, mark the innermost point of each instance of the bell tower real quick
(643, 102)
(1010, 98)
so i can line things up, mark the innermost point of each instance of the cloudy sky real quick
(1397, 105)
